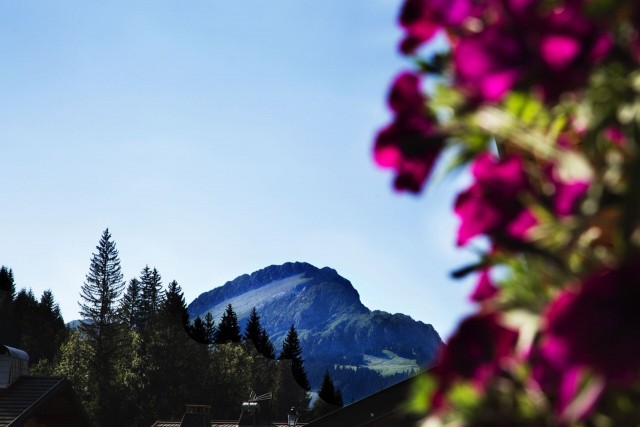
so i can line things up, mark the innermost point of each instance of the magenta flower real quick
(615, 135)
(485, 288)
(492, 204)
(476, 351)
(421, 19)
(560, 385)
(553, 51)
(488, 64)
(598, 325)
(567, 194)
(411, 143)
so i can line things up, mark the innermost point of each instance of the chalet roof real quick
(31, 395)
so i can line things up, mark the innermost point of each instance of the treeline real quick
(28, 322)
(135, 358)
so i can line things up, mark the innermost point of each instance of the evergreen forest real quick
(134, 357)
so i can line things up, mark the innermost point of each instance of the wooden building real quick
(29, 401)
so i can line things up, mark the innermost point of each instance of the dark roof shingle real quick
(23, 397)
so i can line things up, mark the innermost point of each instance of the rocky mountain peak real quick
(336, 330)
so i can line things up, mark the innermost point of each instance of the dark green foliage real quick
(130, 307)
(358, 382)
(102, 328)
(291, 350)
(253, 329)
(329, 399)
(198, 331)
(102, 289)
(6, 282)
(151, 294)
(7, 293)
(257, 335)
(172, 368)
(228, 329)
(292, 382)
(174, 307)
(327, 390)
(50, 329)
(36, 326)
(24, 307)
(266, 346)
(209, 328)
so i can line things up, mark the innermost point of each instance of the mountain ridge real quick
(335, 329)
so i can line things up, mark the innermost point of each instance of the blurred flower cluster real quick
(541, 100)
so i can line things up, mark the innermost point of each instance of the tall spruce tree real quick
(177, 376)
(102, 328)
(198, 332)
(7, 282)
(292, 384)
(209, 328)
(329, 398)
(151, 294)
(253, 330)
(228, 329)
(255, 333)
(50, 329)
(174, 307)
(25, 307)
(130, 309)
(266, 346)
(291, 350)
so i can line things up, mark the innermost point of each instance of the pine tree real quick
(292, 384)
(174, 308)
(329, 399)
(228, 329)
(24, 309)
(209, 328)
(291, 350)
(130, 308)
(266, 346)
(49, 329)
(6, 281)
(167, 378)
(198, 331)
(101, 290)
(151, 294)
(255, 333)
(253, 329)
(7, 294)
(101, 326)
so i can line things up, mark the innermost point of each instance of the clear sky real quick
(213, 138)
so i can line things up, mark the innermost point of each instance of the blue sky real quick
(213, 139)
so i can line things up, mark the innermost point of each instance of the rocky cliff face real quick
(335, 328)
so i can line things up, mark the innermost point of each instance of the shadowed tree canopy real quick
(6, 281)
(329, 398)
(291, 350)
(102, 287)
(228, 329)
(102, 327)
(130, 306)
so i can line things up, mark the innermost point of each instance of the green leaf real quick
(420, 398)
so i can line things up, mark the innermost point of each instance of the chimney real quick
(196, 416)
(13, 364)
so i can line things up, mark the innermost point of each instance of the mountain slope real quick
(335, 329)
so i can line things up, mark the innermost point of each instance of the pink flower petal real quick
(559, 51)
